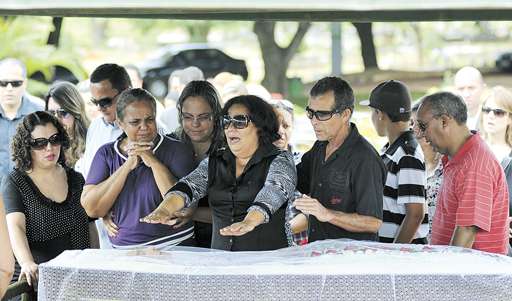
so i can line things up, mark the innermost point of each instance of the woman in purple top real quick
(129, 176)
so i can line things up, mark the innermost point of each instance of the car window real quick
(179, 61)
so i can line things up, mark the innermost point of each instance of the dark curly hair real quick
(20, 144)
(262, 114)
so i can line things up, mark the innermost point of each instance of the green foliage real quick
(25, 38)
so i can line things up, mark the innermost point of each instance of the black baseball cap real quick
(392, 97)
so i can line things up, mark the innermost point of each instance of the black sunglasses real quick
(60, 113)
(321, 115)
(497, 112)
(238, 121)
(41, 143)
(14, 83)
(105, 102)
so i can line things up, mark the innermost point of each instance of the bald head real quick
(13, 78)
(469, 83)
(8, 64)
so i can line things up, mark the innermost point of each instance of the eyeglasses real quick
(238, 121)
(14, 83)
(60, 113)
(422, 126)
(41, 143)
(497, 112)
(321, 115)
(205, 117)
(105, 102)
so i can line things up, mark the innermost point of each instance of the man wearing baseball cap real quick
(405, 219)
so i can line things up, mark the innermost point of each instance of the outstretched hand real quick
(237, 229)
(160, 216)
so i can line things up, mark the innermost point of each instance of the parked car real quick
(58, 73)
(504, 62)
(157, 69)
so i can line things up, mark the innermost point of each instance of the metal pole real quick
(336, 55)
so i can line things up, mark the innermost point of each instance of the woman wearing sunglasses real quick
(496, 127)
(248, 182)
(65, 102)
(42, 196)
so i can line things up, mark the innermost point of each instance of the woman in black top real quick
(247, 183)
(42, 196)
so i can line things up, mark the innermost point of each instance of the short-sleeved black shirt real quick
(351, 181)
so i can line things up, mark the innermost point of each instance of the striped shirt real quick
(405, 184)
(473, 193)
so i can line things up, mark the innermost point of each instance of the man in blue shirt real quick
(14, 105)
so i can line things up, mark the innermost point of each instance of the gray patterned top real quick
(278, 188)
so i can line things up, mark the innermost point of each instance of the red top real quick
(473, 193)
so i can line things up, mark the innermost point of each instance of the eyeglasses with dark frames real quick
(497, 112)
(14, 83)
(239, 121)
(41, 143)
(322, 115)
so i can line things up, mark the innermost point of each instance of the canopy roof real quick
(293, 10)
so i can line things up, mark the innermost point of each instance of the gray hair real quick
(12, 61)
(130, 96)
(446, 103)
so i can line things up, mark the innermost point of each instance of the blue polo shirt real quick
(8, 129)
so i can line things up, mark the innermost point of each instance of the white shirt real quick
(99, 133)
(472, 122)
(169, 118)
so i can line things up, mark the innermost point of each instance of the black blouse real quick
(51, 227)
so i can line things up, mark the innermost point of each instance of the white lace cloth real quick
(326, 270)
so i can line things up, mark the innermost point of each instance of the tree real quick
(25, 39)
(364, 30)
(276, 58)
(54, 36)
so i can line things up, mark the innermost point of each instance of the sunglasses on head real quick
(497, 112)
(105, 102)
(239, 121)
(41, 143)
(60, 113)
(14, 83)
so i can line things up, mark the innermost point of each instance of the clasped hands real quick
(140, 150)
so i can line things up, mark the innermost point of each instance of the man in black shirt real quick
(342, 176)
